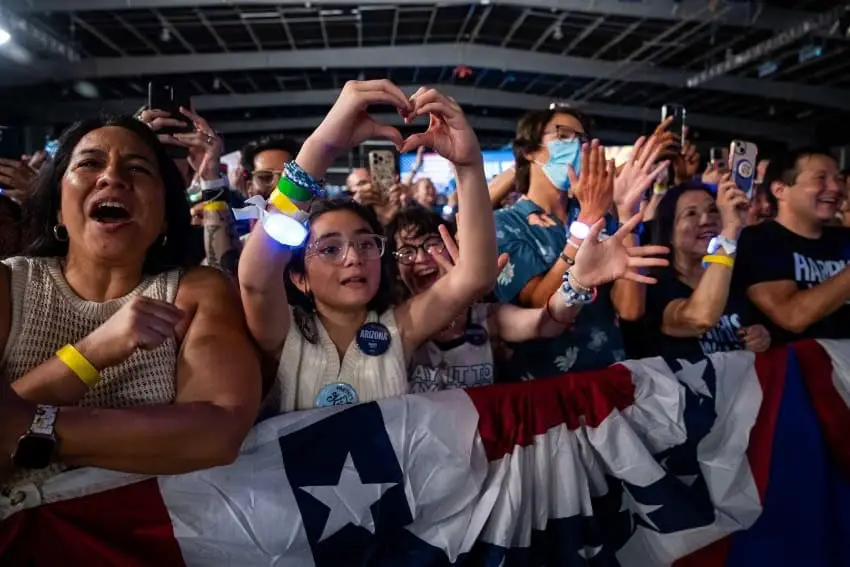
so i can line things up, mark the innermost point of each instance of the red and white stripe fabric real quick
(483, 475)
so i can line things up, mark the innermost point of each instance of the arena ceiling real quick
(260, 66)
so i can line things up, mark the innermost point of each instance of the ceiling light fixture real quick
(4, 36)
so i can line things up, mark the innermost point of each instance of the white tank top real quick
(311, 375)
(464, 363)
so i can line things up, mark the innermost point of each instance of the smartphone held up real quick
(382, 169)
(742, 164)
(167, 98)
(678, 113)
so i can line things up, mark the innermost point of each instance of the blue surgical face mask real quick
(561, 154)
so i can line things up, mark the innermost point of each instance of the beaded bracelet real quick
(573, 294)
(294, 173)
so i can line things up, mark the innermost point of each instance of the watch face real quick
(34, 451)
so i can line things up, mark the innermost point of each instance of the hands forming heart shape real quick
(349, 124)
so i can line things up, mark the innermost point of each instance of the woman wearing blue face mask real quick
(555, 158)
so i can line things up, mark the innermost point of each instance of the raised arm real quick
(263, 260)
(632, 181)
(693, 316)
(594, 190)
(221, 242)
(218, 394)
(450, 135)
(263, 292)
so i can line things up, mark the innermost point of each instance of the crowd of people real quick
(147, 322)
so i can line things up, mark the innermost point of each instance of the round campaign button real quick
(745, 168)
(476, 335)
(336, 394)
(373, 339)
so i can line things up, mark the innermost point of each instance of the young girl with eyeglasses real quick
(461, 354)
(341, 341)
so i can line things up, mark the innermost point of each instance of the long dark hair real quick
(665, 218)
(384, 297)
(41, 210)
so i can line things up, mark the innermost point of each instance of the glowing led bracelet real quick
(286, 226)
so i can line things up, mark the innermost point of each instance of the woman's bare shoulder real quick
(207, 290)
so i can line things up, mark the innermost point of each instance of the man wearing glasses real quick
(263, 161)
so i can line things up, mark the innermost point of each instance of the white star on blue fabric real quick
(643, 510)
(349, 501)
(588, 553)
(691, 374)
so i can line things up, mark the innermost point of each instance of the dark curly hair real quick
(417, 220)
(385, 296)
(41, 210)
(253, 149)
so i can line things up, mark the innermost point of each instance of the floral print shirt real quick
(594, 342)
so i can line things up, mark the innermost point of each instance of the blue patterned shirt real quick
(594, 342)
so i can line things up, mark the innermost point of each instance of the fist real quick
(143, 323)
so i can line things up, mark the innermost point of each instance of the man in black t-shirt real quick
(793, 268)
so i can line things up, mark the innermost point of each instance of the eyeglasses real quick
(333, 249)
(566, 133)
(266, 177)
(407, 254)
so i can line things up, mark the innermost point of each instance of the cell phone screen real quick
(167, 98)
(677, 126)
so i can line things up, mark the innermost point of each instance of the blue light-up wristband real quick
(288, 228)
(285, 222)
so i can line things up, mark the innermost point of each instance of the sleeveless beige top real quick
(309, 363)
(47, 314)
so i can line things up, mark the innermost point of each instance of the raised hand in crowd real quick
(667, 138)
(322, 272)
(204, 145)
(638, 173)
(448, 132)
(385, 204)
(686, 164)
(263, 261)
(17, 177)
(599, 262)
(348, 124)
(713, 174)
(157, 120)
(732, 204)
(454, 253)
(594, 189)
(237, 179)
(36, 160)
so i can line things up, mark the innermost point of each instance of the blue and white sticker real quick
(336, 394)
(373, 339)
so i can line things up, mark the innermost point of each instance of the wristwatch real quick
(37, 446)
(720, 241)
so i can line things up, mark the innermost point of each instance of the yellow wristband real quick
(215, 206)
(79, 365)
(718, 259)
